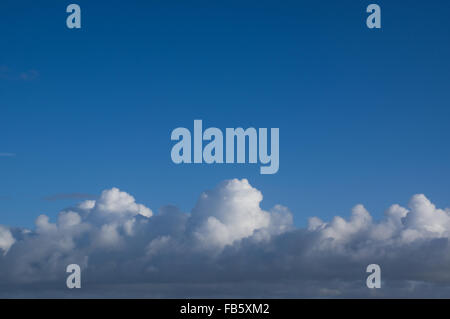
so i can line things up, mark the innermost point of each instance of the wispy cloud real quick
(29, 75)
(64, 196)
(7, 154)
(6, 73)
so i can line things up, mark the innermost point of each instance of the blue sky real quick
(363, 114)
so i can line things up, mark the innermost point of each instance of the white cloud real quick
(425, 221)
(230, 213)
(68, 219)
(227, 241)
(108, 236)
(115, 202)
(43, 225)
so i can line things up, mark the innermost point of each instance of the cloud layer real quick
(227, 246)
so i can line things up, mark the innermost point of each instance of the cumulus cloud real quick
(229, 213)
(115, 202)
(6, 239)
(227, 246)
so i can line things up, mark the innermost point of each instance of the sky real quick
(363, 113)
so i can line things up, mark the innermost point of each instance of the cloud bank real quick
(226, 246)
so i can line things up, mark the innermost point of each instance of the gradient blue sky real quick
(363, 114)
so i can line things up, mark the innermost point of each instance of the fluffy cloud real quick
(232, 212)
(227, 246)
(6, 239)
(115, 205)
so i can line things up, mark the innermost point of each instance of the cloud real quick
(6, 73)
(29, 75)
(230, 213)
(7, 154)
(227, 246)
(64, 196)
(6, 239)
